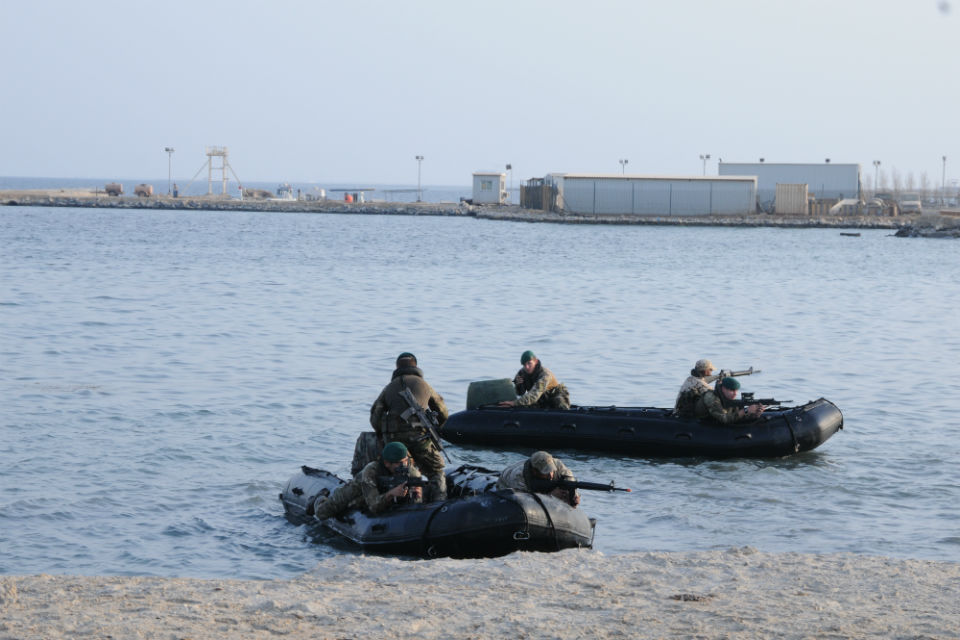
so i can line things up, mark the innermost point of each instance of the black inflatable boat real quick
(646, 431)
(475, 521)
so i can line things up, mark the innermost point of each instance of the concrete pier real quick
(89, 199)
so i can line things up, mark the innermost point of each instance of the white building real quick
(489, 187)
(615, 194)
(824, 180)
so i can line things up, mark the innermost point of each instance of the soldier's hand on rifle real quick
(398, 491)
(754, 410)
(416, 493)
(564, 494)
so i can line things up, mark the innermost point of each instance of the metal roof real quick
(631, 176)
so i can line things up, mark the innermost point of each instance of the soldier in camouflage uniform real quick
(536, 385)
(392, 419)
(367, 488)
(693, 387)
(715, 404)
(541, 465)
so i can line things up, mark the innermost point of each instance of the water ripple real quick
(164, 375)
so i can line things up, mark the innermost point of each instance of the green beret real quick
(731, 383)
(395, 452)
(527, 356)
(406, 355)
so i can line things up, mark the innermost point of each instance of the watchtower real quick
(223, 166)
(217, 152)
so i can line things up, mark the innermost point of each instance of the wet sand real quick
(737, 593)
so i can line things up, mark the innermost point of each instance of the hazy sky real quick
(351, 91)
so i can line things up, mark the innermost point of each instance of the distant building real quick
(824, 181)
(489, 187)
(615, 194)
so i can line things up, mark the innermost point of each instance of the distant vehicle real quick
(910, 203)
(143, 190)
(114, 189)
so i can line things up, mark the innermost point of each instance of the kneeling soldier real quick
(379, 486)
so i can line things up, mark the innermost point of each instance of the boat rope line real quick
(425, 538)
(793, 434)
(553, 528)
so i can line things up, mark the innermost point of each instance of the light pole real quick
(510, 194)
(943, 183)
(419, 160)
(876, 177)
(169, 151)
(704, 157)
(623, 165)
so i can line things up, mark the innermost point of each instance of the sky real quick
(347, 92)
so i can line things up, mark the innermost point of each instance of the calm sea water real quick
(164, 373)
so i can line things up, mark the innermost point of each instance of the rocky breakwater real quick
(55, 198)
(938, 226)
(518, 214)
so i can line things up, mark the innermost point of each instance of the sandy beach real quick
(737, 593)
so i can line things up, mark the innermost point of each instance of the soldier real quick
(393, 419)
(523, 476)
(368, 487)
(536, 385)
(716, 404)
(693, 387)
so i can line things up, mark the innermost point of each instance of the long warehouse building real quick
(612, 194)
(824, 181)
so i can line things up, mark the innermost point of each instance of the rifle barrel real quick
(589, 486)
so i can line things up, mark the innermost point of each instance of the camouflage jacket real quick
(691, 390)
(531, 388)
(374, 494)
(386, 414)
(516, 475)
(709, 405)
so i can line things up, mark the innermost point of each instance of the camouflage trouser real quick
(427, 458)
(343, 498)
(556, 398)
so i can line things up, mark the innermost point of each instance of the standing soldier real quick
(537, 386)
(394, 420)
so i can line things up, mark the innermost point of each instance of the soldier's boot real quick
(438, 487)
(318, 507)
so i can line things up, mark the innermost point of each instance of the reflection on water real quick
(163, 374)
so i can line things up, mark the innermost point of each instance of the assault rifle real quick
(724, 373)
(398, 479)
(541, 485)
(746, 399)
(427, 418)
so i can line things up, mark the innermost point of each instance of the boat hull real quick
(487, 523)
(646, 431)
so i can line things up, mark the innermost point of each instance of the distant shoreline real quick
(82, 198)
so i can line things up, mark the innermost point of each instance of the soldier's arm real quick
(377, 410)
(376, 502)
(537, 390)
(564, 473)
(518, 382)
(437, 404)
(717, 410)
